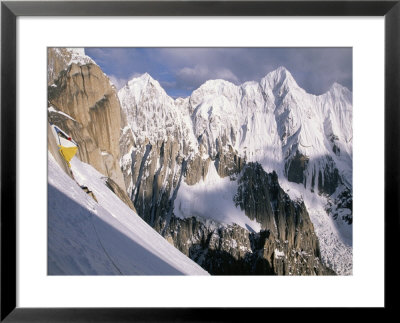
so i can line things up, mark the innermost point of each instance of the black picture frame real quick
(10, 10)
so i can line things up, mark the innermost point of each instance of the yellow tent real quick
(68, 153)
(67, 147)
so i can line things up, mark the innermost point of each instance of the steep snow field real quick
(335, 236)
(212, 197)
(104, 238)
(152, 114)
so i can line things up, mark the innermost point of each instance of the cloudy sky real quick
(182, 70)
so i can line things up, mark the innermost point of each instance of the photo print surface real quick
(200, 161)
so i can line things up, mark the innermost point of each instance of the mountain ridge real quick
(304, 138)
(267, 77)
(218, 105)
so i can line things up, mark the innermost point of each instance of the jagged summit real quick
(279, 80)
(216, 83)
(141, 88)
(340, 91)
(281, 72)
(249, 117)
(79, 56)
(145, 77)
(214, 87)
(337, 87)
(61, 58)
(142, 80)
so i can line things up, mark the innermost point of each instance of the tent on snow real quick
(66, 145)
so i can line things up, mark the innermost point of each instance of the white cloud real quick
(192, 77)
(184, 69)
(227, 75)
(120, 82)
(167, 84)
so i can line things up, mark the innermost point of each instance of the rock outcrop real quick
(90, 113)
(58, 59)
(114, 187)
(157, 174)
(286, 245)
(290, 233)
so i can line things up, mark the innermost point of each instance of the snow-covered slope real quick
(86, 237)
(274, 119)
(152, 114)
(212, 198)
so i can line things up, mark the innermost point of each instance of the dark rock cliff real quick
(286, 245)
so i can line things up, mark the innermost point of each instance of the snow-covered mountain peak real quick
(60, 58)
(283, 71)
(214, 89)
(340, 92)
(78, 52)
(339, 88)
(152, 114)
(279, 79)
(143, 88)
(143, 81)
(216, 83)
(336, 85)
(78, 56)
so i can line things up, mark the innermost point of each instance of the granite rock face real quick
(228, 162)
(85, 94)
(114, 187)
(58, 59)
(286, 245)
(292, 245)
(156, 174)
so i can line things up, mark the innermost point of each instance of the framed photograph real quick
(194, 153)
